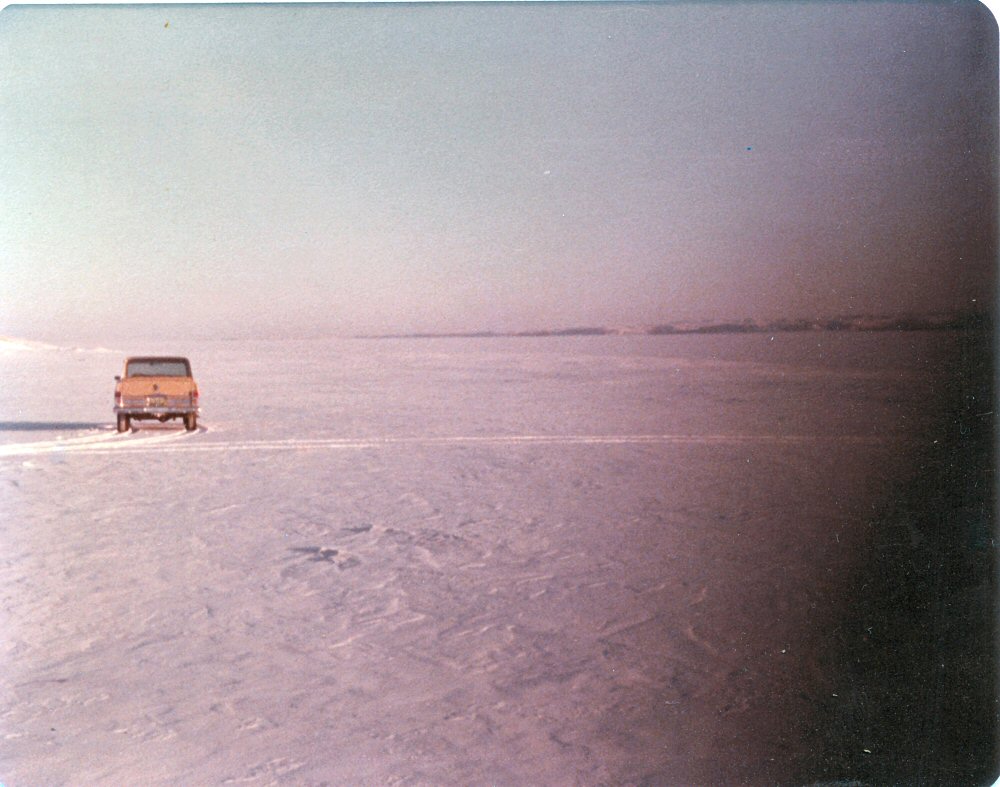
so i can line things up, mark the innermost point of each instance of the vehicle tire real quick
(123, 422)
(191, 422)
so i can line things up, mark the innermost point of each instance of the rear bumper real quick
(185, 410)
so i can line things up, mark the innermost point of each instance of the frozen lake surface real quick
(581, 560)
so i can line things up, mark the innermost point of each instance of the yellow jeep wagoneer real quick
(154, 387)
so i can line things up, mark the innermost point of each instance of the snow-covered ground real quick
(460, 561)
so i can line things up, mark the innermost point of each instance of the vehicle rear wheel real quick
(123, 422)
(191, 422)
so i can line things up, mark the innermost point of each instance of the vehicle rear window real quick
(154, 368)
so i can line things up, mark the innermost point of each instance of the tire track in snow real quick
(105, 441)
(170, 442)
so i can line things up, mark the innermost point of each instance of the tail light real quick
(194, 395)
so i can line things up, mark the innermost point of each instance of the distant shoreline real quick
(855, 324)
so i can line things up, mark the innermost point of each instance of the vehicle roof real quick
(156, 358)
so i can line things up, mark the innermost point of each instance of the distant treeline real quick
(932, 322)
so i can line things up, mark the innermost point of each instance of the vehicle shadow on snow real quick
(50, 426)
(155, 426)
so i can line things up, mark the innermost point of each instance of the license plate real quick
(157, 401)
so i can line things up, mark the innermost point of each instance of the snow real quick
(467, 561)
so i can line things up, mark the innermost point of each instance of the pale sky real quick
(193, 171)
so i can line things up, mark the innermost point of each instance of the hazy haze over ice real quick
(211, 170)
(607, 559)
